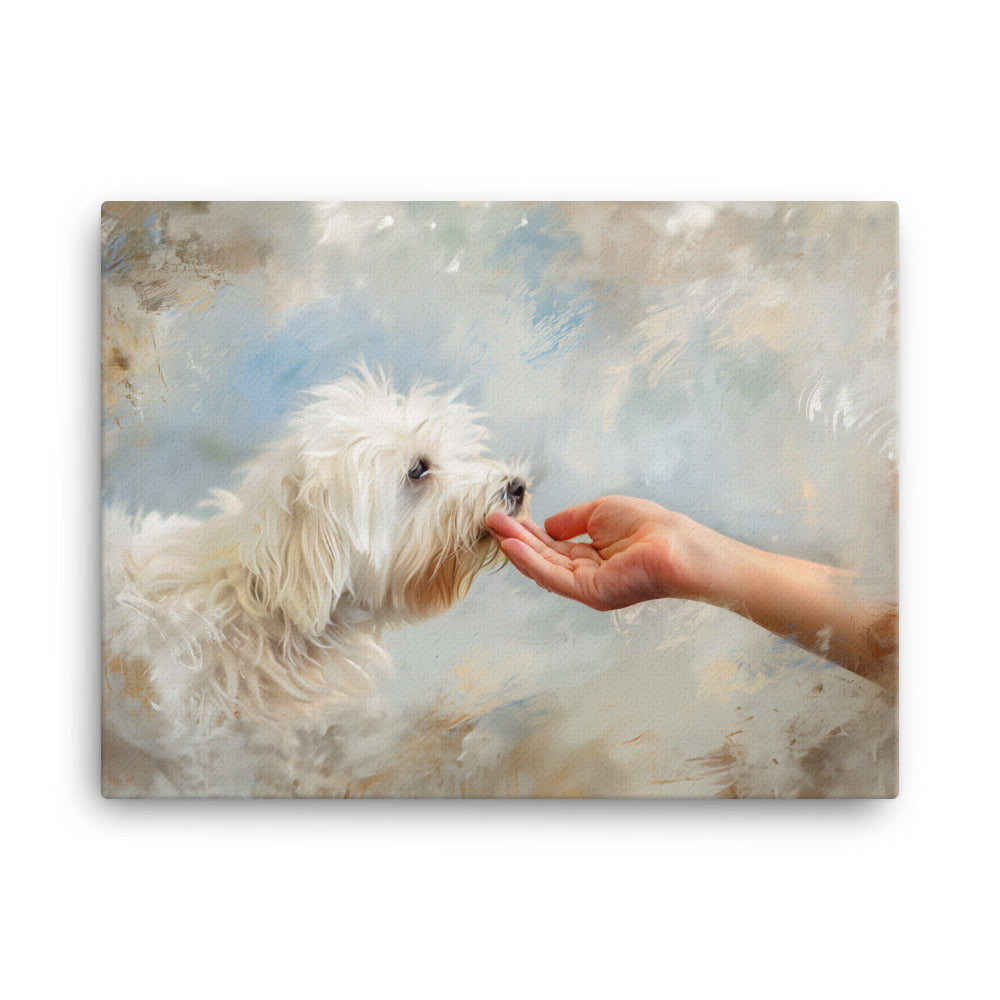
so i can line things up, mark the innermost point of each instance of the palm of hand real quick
(629, 557)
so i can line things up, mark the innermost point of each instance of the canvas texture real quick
(310, 410)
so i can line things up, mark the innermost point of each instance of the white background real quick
(853, 101)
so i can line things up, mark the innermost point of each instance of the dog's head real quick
(374, 509)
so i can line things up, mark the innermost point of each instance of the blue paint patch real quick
(270, 373)
(114, 259)
(153, 227)
(531, 256)
(555, 323)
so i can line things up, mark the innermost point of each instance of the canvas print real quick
(499, 500)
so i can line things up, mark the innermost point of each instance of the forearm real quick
(816, 606)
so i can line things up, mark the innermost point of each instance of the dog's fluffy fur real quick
(370, 512)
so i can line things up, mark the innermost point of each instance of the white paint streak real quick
(691, 219)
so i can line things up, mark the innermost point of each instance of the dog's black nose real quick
(513, 492)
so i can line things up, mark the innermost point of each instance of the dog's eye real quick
(419, 470)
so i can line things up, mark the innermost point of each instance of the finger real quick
(564, 548)
(501, 524)
(570, 522)
(527, 532)
(558, 579)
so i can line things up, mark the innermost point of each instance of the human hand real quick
(638, 551)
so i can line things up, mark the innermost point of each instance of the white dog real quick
(371, 512)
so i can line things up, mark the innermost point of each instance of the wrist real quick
(736, 575)
(701, 561)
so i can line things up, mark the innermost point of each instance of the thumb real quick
(570, 522)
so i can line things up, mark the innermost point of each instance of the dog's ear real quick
(294, 554)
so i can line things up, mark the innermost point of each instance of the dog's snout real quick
(514, 492)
